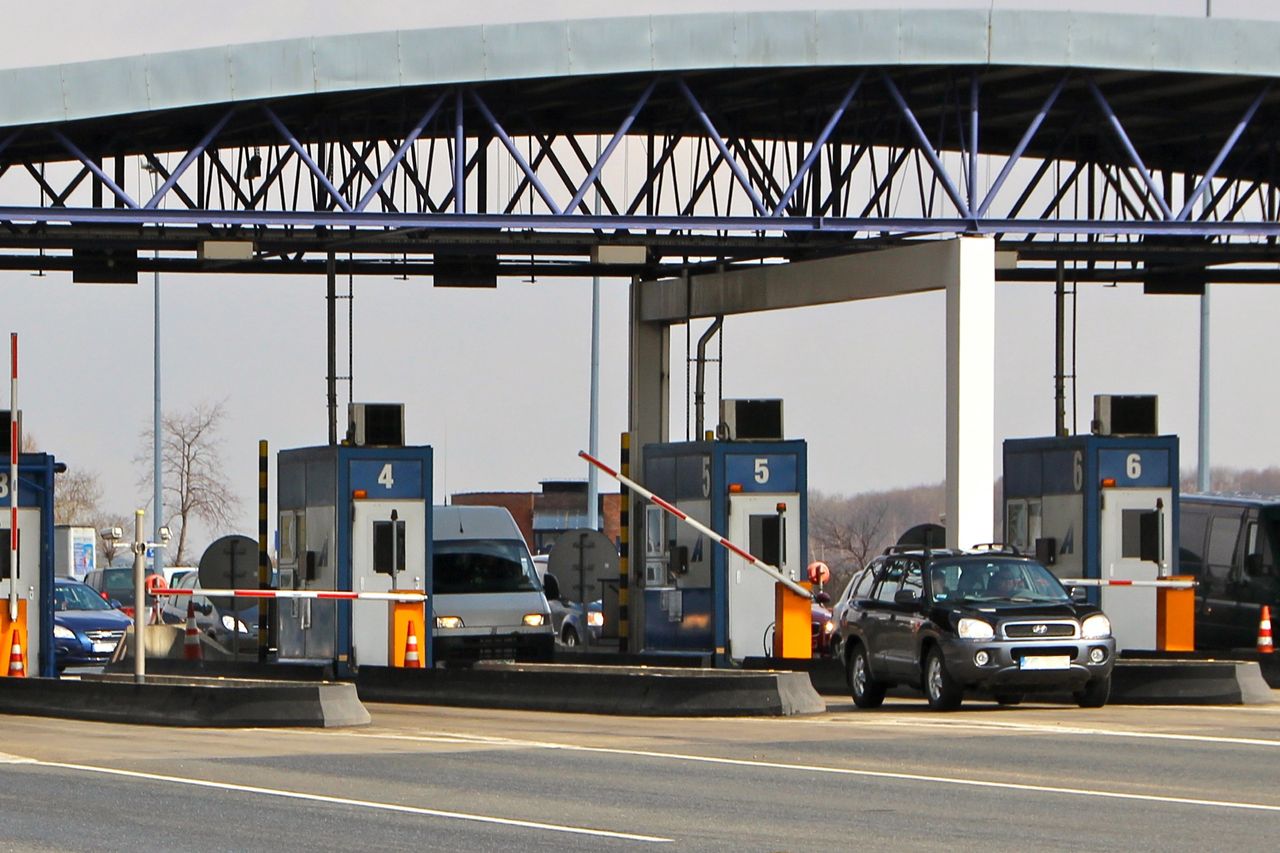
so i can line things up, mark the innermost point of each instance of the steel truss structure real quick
(1112, 171)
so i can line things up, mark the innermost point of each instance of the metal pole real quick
(139, 600)
(13, 477)
(332, 380)
(157, 478)
(266, 610)
(1059, 353)
(593, 437)
(1202, 440)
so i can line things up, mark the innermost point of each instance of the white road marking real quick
(6, 758)
(438, 737)
(1042, 728)
(344, 801)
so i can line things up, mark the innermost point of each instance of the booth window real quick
(4, 553)
(383, 546)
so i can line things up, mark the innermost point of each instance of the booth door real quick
(1133, 609)
(388, 551)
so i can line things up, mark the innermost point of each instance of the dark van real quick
(1230, 544)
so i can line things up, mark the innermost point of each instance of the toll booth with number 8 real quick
(32, 578)
(698, 596)
(1099, 507)
(352, 519)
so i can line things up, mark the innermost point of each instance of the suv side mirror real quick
(906, 596)
(1079, 593)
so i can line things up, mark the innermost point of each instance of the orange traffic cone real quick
(411, 660)
(17, 665)
(191, 642)
(1265, 646)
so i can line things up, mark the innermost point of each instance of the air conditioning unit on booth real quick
(750, 420)
(376, 424)
(1131, 414)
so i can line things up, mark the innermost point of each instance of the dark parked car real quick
(949, 622)
(823, 628)
(575, 625)
(86, 629)
(214, 617)
(115, 585)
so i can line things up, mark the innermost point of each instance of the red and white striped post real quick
(13, 477)
(772, 571)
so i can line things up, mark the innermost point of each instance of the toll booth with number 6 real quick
(26, 642)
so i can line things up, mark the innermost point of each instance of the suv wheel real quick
(867, 692)
(1009, 698)
(943, 692)
(1095, 693)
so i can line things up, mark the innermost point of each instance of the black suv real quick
(991, 621)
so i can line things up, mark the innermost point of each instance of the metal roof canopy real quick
(731, 138)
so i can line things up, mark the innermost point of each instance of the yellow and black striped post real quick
(266, 610)
(624, 530)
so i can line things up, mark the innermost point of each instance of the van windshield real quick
(482, 565)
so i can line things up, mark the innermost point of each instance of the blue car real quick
(86, 629)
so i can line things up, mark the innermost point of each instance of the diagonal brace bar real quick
(613, 143)
(926, 148)
(514, 151)
(398, 157)
(94, 167)
(1127, 144)
(8, 140)
(187, 161)
(818, 143)
(1022, 147)
(306, 158)
(734, 165)
(1227, 148)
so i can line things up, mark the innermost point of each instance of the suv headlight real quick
(975, 629)
(1096, 627)
(62, 632)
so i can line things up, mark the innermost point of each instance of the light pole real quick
(156, 463)
(139, 546)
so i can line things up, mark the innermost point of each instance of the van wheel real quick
(943, 692)
(570, 636)
(1095, 693)
(867, 692)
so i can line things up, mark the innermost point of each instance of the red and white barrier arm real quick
(333, 594)
(13, 477)
(772, 571)
(1159, 584)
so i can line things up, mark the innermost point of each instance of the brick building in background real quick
(543, 516)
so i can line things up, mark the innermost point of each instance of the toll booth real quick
(698, 596)
(33, 576)
(1099, 507)
(355, 519)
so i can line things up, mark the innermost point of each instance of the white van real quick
(485, 594)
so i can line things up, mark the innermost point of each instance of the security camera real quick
(165, 535)
(112, 533)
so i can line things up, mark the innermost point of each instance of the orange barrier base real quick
(792, 623)
(402, 613)
(6, 637)
(1176, 618)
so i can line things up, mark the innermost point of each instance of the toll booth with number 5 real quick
(352, 519)
(32, 578)
(1099, 507)
(698, 596)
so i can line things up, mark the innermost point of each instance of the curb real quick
(634, 691)
(186, 701)
(1136, 681)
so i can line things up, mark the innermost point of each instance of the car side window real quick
(866, 581)
(912, 579)
(891, 579)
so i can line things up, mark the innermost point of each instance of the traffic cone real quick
(411, 660)
(191, 642)
(1265, 646)
(17, 665)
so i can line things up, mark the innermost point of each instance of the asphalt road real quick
(1034, 777)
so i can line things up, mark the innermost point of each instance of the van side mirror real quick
(551, 586)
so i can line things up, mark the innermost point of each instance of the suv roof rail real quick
(997, 547)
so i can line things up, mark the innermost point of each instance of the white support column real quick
(648, 415)
(971, 392)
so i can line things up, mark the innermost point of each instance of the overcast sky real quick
(497, 381)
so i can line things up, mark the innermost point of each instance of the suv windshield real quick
(482, 565)
(77, 597)
(994, 580)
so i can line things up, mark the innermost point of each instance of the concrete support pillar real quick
(649, 418)
(971, 335)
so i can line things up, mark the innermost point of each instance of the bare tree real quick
(195, 483)
(845, 532)
(75, 497)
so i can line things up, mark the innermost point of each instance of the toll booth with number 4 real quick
(1101, 508)
(699, 596)
(32, 578)
(354, 519)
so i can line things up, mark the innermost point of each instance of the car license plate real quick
(1045, 662)
(108, 646)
